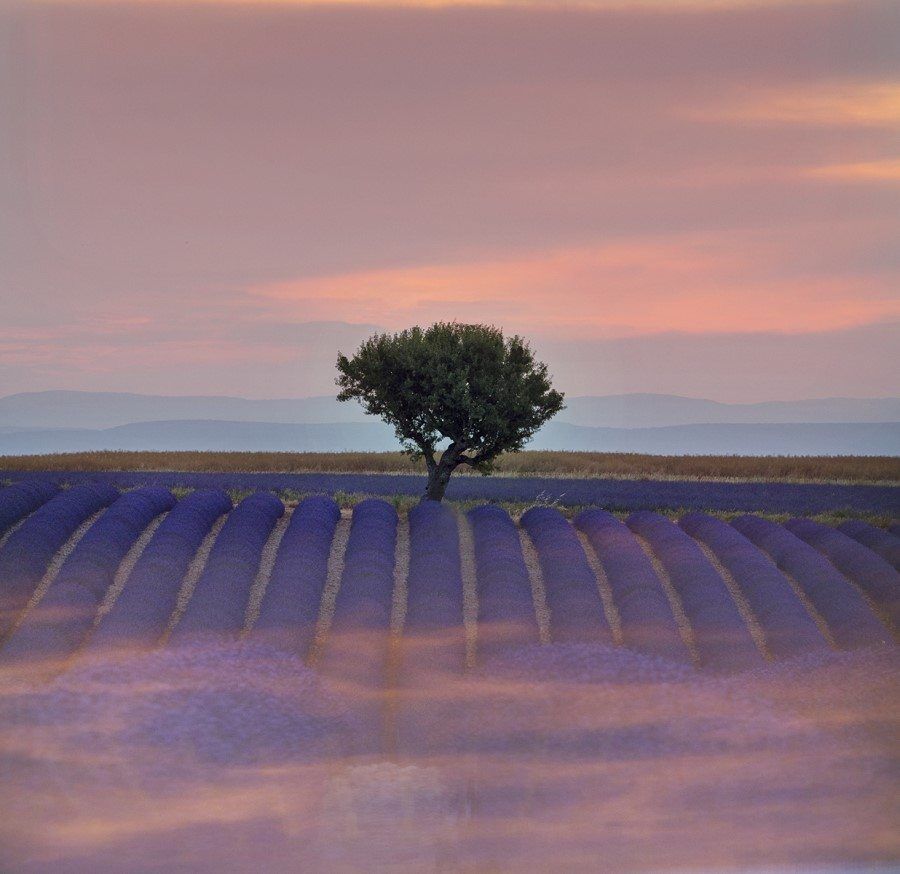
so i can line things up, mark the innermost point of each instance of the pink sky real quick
(691, 197)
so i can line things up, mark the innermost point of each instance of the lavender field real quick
(618, 495)
(209, 684)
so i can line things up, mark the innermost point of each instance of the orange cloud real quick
(887, 170)
(689, 284)
(865, 104)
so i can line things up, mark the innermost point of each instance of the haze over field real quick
(47, 422)
(680, 197)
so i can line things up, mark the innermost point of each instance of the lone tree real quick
(468, 384)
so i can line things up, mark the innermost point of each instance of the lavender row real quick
(573, 599)
(141, 612)
(722, 637)
(26, 555)
(433, 653)
(845, 612)
(20, 499)
(435, 574)
(869, 571)
(787, 627)
(58, 624)
(648, 623)
(887, 545)
(505, 605)
(290, 604)
(356, 652)
(367, 583)
(218, 603)
(625, 495)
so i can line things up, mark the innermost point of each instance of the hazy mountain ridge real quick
(841, 438)
(100, 410)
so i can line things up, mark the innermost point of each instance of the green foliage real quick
(468, 384)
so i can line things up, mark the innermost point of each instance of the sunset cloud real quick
(200, 198)
(711, 284)
(864, 104)
(887, 170)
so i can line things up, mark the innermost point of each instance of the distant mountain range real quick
(46, 422)
(72, 409)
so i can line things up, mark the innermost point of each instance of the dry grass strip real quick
(16, 527)
(126, 567)
(815, 615)
(53, 569)
(266, 565)
(401, 578)
(603, 587)
(747, 614)
(470, 586)
(195, 568)
(681, 620)
(808, 605)
(538, 592)
(395, 640)
(332, 585)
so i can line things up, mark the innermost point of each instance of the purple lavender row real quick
(26, 555)
(367, 583)
(290, 605)
(722, 637)
(505, 604)
(800, 499)
(573, 599)
(834, 597)
(885, 544)
(58, 624)
(142, 610)
(218, 603)
(869, 571)
(434, 646)
(648, 623)
(20, 499)
(435, 575)
(787, 627)
(356, 651)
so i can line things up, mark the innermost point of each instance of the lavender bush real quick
(505, 605)
(885, 544)
(22, 498)
(869, 571)
(290, 605)
(434, 645)
(848, 617)
(722, 637)
(59, 623)
(626, 495)
(648, 623)
(356, 651)
(786, 625)
(219, 600)
(25, 557)
(367, 582)
(435, 576)
(142, 610)
(576, 611)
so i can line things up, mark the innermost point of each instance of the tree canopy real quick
(468, 384)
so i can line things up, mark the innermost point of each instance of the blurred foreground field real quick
(869, 469)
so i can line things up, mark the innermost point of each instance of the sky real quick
(699, 198)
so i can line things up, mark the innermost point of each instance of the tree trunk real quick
(439, 474)
(437, 482)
